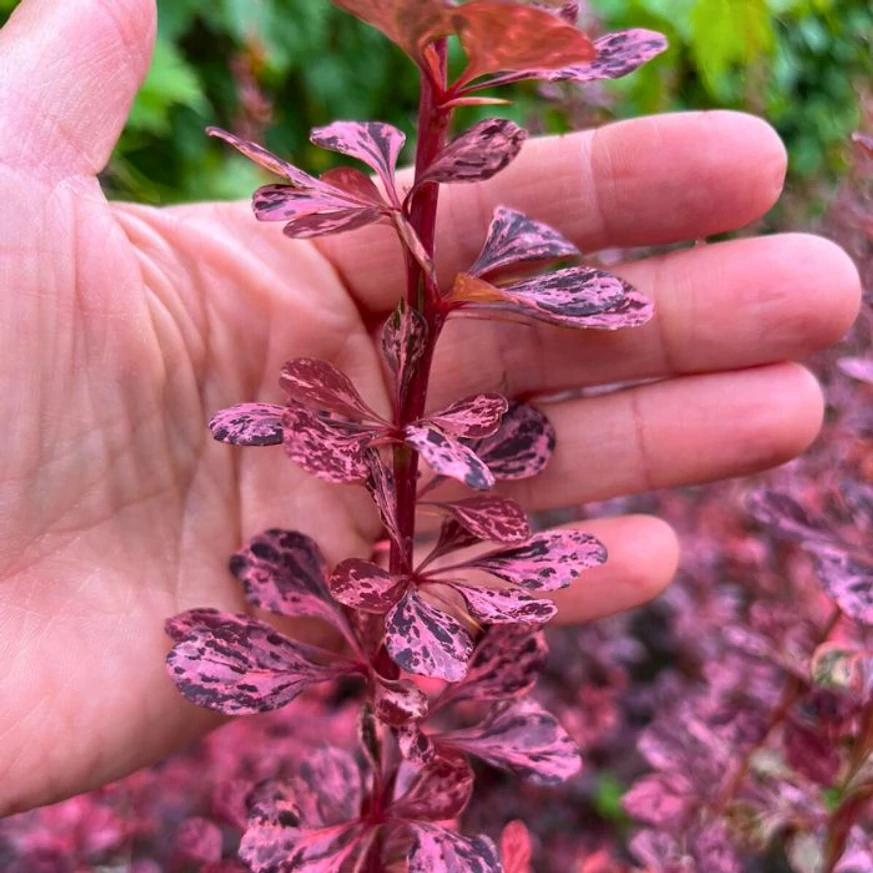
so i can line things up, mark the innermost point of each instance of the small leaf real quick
(288, 203)
(811, 753)
(243, 666)
(788, 518)
(490, 518)
(415, 745)
(547, 562)
(322, 386)
(180, 626)
(355, 183)
(474, 417)
(284, 571)
(248, 424)
(662, 800)
(398, 702)
(424, 640)
(326, 786)
(858, 368)
(335, 221)
(375, 143)
(438, 849)
(516, 848)
(478, 153)
(505, 605)
(380, 484)
(324, 447)
(848, 580)
(506, 664)
(513, 238)
(448, 457)
(365, 586)
(404, 337)
(269, 161)
(440, 790)
(634, 310)
(522, 446)
(837, 666)
(523, 738)
(499, 37)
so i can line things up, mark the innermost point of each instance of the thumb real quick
(69, 70)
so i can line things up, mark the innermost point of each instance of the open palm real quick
(123, 328)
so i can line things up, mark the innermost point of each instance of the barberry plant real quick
(453, 610)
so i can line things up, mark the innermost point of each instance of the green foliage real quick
(798, 63)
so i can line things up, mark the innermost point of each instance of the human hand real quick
(124, 328)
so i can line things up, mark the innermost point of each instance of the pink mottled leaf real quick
(788, 517)
(326, 787)
(204, 619)
(490, 518)
(436, 848)
(848, 580)
(618, 54)
(663, 800)
(506, 664)
(320, 385)
(634, 310)
(243, 666)
(524, 738)
(505, 605)
(310, 215)
(440, 790)
(199, 840)
(326, 223)
(284, 571)
(477, 154)
(354, 183)
(397, 702)
(424, 640)
(375, 143)
(513, 238)
(324, 447)
(415, 745)
(516, 848)
(858, 368)
(473, 417)
(404, 336)
(380, 484)
(547, 562)
(448, 457)
(248, 424)
(453, 536)
(364, 585)
(522, 446)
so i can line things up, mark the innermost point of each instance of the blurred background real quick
(272, 69)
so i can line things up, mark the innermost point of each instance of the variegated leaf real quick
(365, 586)
(404, 337)
(203, 619)
(523, 738)
(546, 562)
(848, 580)
(326, 223)
(436, 848)
(505, 605)
(788, 518)
(448, 457)
(243, 666)
(375, 143)
(326, 787)
(338, 209)
(440, 790)
(513, 239)
(284, 571)
(424, 640)
(398, 702)
(453, 536)
(522, 446)
(490, 518)
(355, 183)
(506, 664)
(474, 417)
(634, 310)
(248, 424)
(323, 447)
(380, 484)
(618, 54)
(415, 745)
(477, 154)
(322, 386)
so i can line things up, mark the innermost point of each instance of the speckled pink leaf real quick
(424, 640)
(199, 840)
(339, 208)
(248, 424)
(324, 447)
(448, 457)
(415, 745)
(326, 786)
(453, 536)
(634, 310)
(479, 153)
(505, 605)
(618, 54)
(440, 790)
(474, 417)
(364, 585)
(438, 849)
(848, 580)
(858, 368)
(380, 484)
(375, 143)
(490, 518)
(516, 848)
(320, 385)
(203, 619)
(506, 664)
(663, 800)
(788, 517)
(326, 223)
(522, 446)
(284, 571)
(355, 183)
(523, 738)
(404, 335)
(546, 562)
(242, 667)
(513, 238)
(397, 702)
